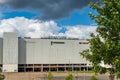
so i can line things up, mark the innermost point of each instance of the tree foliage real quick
(105, 45)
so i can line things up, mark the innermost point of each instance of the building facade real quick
(41, 54)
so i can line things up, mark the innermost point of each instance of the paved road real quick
(75, 78)
(43, 76)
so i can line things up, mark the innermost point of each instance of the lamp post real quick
(84, 72)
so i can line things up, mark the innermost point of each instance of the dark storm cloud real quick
(49, 9)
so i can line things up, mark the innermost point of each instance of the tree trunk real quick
(111, 77)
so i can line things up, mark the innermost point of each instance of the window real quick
(83, 42)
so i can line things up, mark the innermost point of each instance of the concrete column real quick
(72, 67)
(33, 67)
(41, 67)
(24, 67)
(65, 67)
(49, 67)
(57, 67)
(80, 68)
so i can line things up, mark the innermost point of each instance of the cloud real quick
(80, 31)
(49, 9)
(37, 29)
(29, 27)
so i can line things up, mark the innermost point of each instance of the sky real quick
(43, 18)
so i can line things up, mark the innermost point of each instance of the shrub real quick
(2, 77)
(93, 78)
(50, 76)
(69, 77)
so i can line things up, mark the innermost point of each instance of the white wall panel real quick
(1, 50)
(10, 68)
(10, 52)
(40, 51)
(10, 48)
(22, 51)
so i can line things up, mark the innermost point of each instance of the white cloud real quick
(80, 31)
(36, 29)
(29, 27)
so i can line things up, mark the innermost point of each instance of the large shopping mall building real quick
(41, 54)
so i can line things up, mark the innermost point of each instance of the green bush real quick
(93, 78)
(50, 76)
(69, 77)
(2, 77)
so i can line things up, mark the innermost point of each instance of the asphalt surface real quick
(74, 78)
(56, 76)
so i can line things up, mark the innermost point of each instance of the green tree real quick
(2, 77)
(69, 77)
(105, 45)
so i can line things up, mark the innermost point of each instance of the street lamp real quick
(84, 72)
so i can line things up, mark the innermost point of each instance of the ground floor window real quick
(52, 67)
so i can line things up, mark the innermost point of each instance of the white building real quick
(38, 55)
